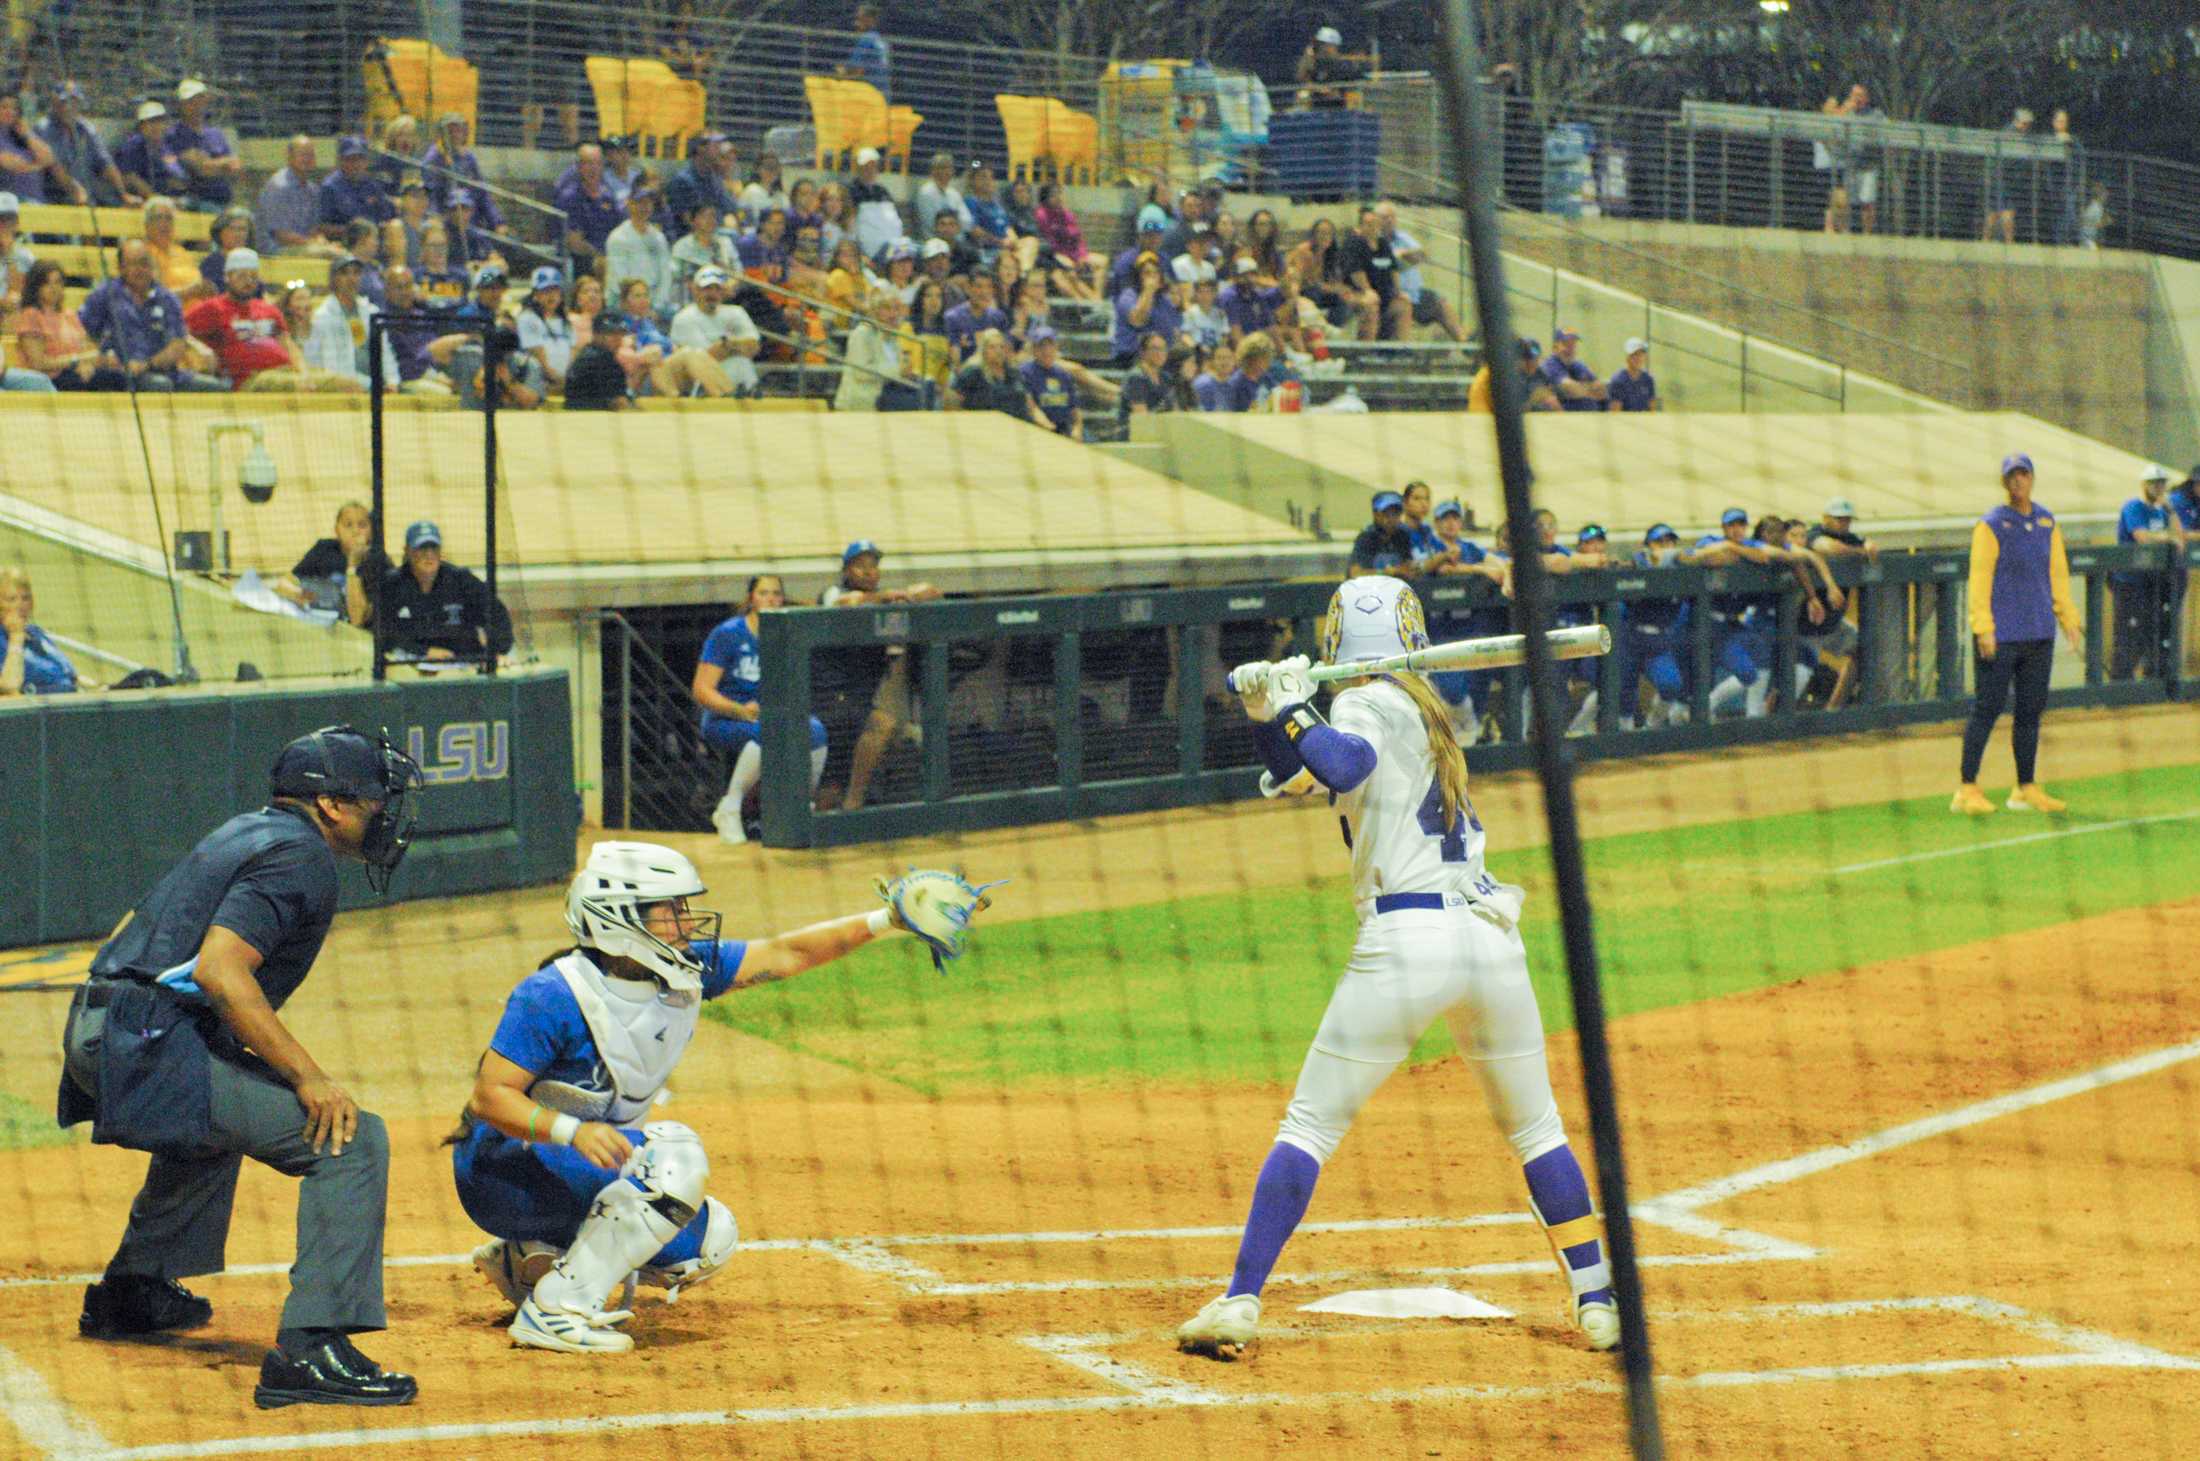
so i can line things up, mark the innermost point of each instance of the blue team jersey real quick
(732, 647)
(1424, 542)
(1665, 615)
(2185, 502)
(544, 1033)
(2139, 516)
(1734, 606)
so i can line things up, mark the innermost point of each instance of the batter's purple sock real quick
(1286, 1185)
(1561, 1194)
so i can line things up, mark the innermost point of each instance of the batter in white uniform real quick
(1437, 939)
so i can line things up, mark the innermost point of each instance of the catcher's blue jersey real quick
(543, 1032)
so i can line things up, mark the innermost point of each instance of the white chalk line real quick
(41, 1417)
(1140, 1388)
(1998, 844)
(37, 1412)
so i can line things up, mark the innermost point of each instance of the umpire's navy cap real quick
(335, 760)
(857, 549)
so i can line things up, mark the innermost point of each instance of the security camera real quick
(256, 478)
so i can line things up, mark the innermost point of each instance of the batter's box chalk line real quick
(52, 1427)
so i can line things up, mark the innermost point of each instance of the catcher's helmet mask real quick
(345, 762)
(608, 904)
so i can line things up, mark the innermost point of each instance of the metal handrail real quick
(558, 216)
(1727, 286)
(632, 639)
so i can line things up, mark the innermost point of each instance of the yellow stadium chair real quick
(1024, 119)
(63, 220)
(308, 269)
(617, 102)
(828, 118)
(901, 132)
(406, 74)
(1073, 141)
(680, 115)
(84, 262)
(865, 115)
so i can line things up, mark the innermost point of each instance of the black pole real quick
(377, 336)
(490, 360)
(1458, 66)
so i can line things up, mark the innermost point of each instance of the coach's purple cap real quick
(2015, 462)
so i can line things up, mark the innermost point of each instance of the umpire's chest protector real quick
(638, 1041)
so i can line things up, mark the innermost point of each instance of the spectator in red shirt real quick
(248, 337)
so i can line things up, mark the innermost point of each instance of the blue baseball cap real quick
(1040, 334)
(421, 534)
(1659, 532)
(1385, 501)
(1153, 218)
(547, 276)
(857, 549)
(2015, 462)
(1591, 533)
(1450, 509)
(1733, 515)
(1529, 349)
(490, 274)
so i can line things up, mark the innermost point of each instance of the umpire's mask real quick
(339, 760)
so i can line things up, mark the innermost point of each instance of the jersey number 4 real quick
(1452, 844)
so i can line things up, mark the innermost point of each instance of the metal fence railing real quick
(1020, 710)
(1760, 168)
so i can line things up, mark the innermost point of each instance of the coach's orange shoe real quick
(1971, 801)
(2032, 797)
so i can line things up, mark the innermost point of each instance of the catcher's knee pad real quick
(671, 1168)
(721, 1235)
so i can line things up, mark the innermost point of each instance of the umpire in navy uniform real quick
(174, 1047)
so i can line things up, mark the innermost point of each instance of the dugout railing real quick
(1042, 709)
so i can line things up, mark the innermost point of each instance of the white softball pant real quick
(1407, 969)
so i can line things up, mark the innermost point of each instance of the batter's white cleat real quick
(513, 1268)
(1223, 1328)
(1599, 1323)
(569, 1331)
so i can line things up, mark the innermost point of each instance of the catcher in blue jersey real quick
(583, 1201)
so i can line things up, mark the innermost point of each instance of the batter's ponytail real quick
(1443, 747)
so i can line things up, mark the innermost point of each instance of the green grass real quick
(1229, 986)
(24, 1125)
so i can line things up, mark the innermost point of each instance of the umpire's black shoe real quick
(330, 1373)
(130, 1304)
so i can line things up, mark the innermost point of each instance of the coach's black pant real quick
(2139, 628)
(2024, 665)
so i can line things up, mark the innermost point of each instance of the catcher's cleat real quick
(514, 1268)
(570, 1331)
(1972, 802)
(1598, 1320)
(1223, 1328)
(2032, 797)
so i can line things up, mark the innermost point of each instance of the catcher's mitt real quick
(937, 907)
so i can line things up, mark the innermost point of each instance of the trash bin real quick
(1567, 174)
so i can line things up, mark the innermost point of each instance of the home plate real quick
(1407, 1304)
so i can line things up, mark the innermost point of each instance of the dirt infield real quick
(1942, 1206)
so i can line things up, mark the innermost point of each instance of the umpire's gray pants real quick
(179, 1224)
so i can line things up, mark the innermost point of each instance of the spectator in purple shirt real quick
(1576, 384)
(451, 154)
(352, 192)
(591, 209)
(975, 314)
(24, 155)
(79, 156)
(764, 252)
(421, 350)
(141, 322)
(1633, 388)
(210, 164)
(1050, 387)
(1248, 303)
(1148, 306)
(1215, 368)
(148, 171)
(1249, 385)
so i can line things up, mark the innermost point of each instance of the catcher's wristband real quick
(881, 922)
